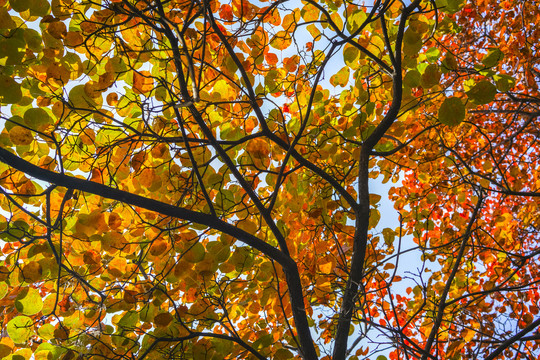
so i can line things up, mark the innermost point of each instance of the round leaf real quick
(37, 118)
(196, 253)
(20, 329)
(46, 332)
(10, 90)
(80, 100)
(163, 319)
(39, 7)
(483, 92)
(493, 57)
(431, 76)
(350, 55)
(504, 82)
(452, 111)
(20, 5)
(28, 301)
(32, 272)
(412, 78)
(20, 136)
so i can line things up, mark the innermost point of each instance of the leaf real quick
(20, 5)
(143, 82)
(350, 55)
(163, 319)
(281, 41)
(37, 118)
(3, 290)
(20, 135)
(450, 6)
(482, 92)
(452, 111)
(412, 78)
(80, 101)
(28, 301)
(504, 82)
(196, 253)
(355, 20)
(283, 354)
(492, 58)
(32, 272)
(431, 76)
(20, 329)
(374, 217)
(10, 90)
(158, 247)
(341, 78)
(46, 331)
(6, 22)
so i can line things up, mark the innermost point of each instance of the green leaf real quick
(6, 22)
(412, 78)
(37, 118)
(450, 62)
(483, 92)
(504, 83)
(493, 57)
(431, 76)
(33, 40)
(450, 6)
(20, 5)
(20, 328)
(28, 301)
(452, 111)
(196, 253)
(412, 42)
(39, 7)
(389, 236)
(350, 55)
(79, 100)
(10, 90)
(374, 217)
(12, 48)
(433, 54)
(283, 354)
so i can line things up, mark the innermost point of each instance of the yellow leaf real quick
(468, 335)
(281, 40)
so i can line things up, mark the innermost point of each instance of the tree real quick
(191, 179)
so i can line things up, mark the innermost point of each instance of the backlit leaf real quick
(28, 301)
(20, 329)
(482, 92)
(452, 111)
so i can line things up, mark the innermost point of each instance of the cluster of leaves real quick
(191, 179)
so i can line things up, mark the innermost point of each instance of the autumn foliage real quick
(194, 179)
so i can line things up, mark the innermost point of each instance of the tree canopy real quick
(193, 179)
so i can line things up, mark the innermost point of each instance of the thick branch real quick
(362, 216)
(213, 222)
